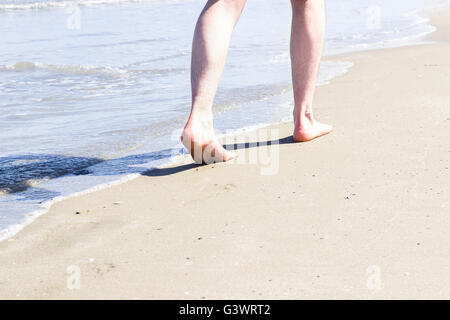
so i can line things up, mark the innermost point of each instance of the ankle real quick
(302, 118)
(201, 118)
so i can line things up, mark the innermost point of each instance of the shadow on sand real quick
(24, 172)
(158, 172)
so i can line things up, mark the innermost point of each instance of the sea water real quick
(93, 91)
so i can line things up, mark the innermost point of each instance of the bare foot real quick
(199, 139)
(306, 128)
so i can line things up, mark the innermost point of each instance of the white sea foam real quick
(70, 3)
(332, 70)
(87, 70)
(25, 66)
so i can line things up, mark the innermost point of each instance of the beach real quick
(87, 102)
(362, 213)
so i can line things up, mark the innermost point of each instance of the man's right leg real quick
(209, 51)
(307, 39)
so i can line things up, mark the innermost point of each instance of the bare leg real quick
(307, 37)
(209, 51)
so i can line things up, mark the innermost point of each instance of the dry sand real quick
(361, 213)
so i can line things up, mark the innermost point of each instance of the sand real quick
(362, 213)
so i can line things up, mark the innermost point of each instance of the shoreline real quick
(428, 38)
(38, 237)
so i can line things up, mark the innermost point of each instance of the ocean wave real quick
(26, 66)
(65, 3)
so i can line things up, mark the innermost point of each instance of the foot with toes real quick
(199, 139)
(307, 128)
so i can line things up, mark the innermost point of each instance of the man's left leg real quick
(209, 51)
